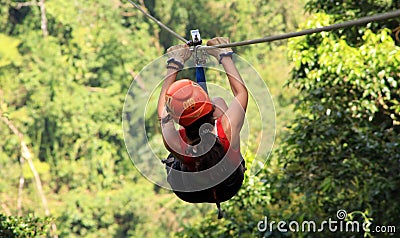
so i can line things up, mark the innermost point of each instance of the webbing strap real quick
(220, 214)
(201, 78)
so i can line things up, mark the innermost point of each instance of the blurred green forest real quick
(65, 69)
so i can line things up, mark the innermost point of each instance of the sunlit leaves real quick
(335, 151)
(27, 226)
(8, 51)
(65, 93)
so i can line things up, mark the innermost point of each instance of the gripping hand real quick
(219, 53)
(178, 54)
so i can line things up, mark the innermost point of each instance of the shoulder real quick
(224, 122)
(232, 133)
(182, 133)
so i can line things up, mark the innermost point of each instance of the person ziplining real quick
(210, 129)
(210, 133)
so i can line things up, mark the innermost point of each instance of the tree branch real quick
(128, 14)
(142, 4)
(26, 4)
(137, 79)
(20, 187)
(95, 89)
(6, 210)
(27, 155)
(44, 18)
(42, 7)
(396, 32)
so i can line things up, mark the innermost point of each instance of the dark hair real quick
(210, 154)
(192, 130)
(214, 154)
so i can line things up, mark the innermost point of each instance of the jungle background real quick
(66, 66)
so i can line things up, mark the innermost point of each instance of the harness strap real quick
(201, 78)
(168, 161)
(220, 213)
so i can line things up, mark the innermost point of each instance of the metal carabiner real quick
(200, 55)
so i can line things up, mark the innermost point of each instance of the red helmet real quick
(186, 102)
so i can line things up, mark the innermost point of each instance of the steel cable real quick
(360, 21)
(159, 23)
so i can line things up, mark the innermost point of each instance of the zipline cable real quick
(360, 21)
(159, 23)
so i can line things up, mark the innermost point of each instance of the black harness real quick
(217, 194)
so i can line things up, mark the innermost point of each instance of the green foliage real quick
(8, 50)
(346, 8)
(349, 10)
(239, 20)
(342, 151)
(27, 226)
(85, 215)
(65, 93)
(241, 214)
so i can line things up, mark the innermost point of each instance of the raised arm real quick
(237, 109)
(178, 54)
